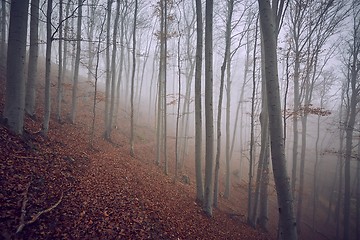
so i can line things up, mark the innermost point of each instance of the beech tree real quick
(353, 93)
(47, 100)
(77, 63)
(226, 60)
(132, 78)
(198, 117)
(15, 83)
(33, 59)
(269, 23)
(3, 30)
(209, 119)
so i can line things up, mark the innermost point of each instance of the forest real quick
(180, 119)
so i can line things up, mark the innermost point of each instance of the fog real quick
(323, 78)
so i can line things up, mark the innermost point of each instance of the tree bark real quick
(3, 31)
(269, 31)
(15, 83)
(198, 118)
(209, 119)
(47, 99)
(224, 66)
(132, 78)
(108, 73)
(77, 64)
(30, 101)
(60, 71)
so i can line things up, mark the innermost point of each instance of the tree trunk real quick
(349, 131)
(77, 64)
(209, 120)
(264, 152)
(108, 74)
(285, 201)
(358, 192)
(30, 102)
(65, 48)
(15, 83)
(165, 16)
(251, 220)
(3, 31)
(113, 68)
(132, 77)
(47, 100)
(60, 71)
(198, 118)
(222, 79)
(98, 50)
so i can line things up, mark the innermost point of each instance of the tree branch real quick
(36, 216)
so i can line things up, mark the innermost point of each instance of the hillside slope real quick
(95, 193)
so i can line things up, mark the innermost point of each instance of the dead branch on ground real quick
(35, 217)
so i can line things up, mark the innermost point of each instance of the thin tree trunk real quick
(251, 220)
(3, 31)
(47, 100)
(166, 168)
(178, 106)
(60, 71)
(198, 118)
(209, 119)
(96, 82)
(132, 81)
(30, 101)
(77, 64)
(113, 68)
(121, 62)
(269, 29)
(66, 30)
(222, 79)
(358, 192)
(108, 73)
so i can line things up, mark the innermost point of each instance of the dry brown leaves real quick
(106, 193)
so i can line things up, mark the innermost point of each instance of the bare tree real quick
(132, 80)
(269, 23)
(33, 59)
(77, 63)
(198, 118)
(15, 83)
(353, 92)
(3, 30)
(47, 100)
(209, 119)
(226, 60)
(60, 71)
(108, 73)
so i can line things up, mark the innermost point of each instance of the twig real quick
(36, 216)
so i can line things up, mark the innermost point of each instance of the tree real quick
(77, 63)
(60, 71)
(33, 59)
(108, 73)
(3, 31)
(113, 68)
(209, 120)
(269, 23)
(198, 118)
(132, 80)
(49, 39)
(226, 60)
(15, 83)
(353, 92)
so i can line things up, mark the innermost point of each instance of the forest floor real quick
(59, 187)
